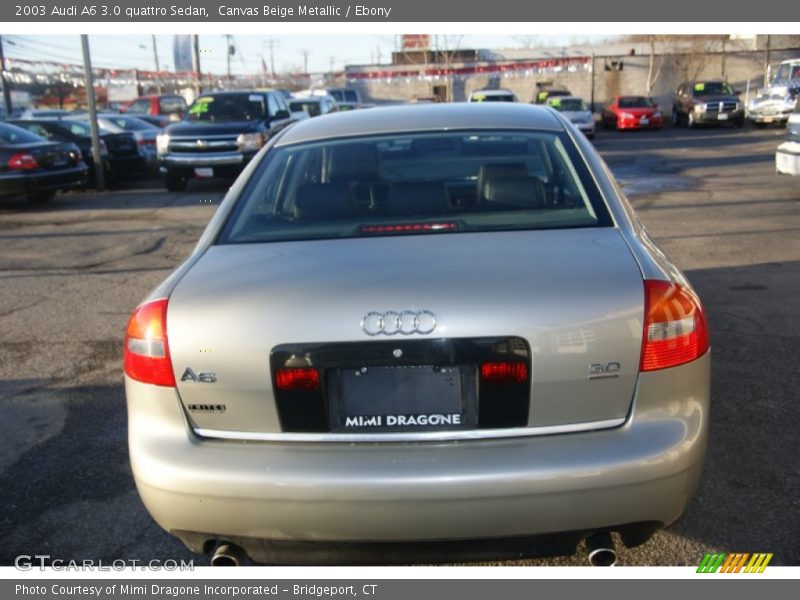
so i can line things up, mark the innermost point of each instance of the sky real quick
(136, 51)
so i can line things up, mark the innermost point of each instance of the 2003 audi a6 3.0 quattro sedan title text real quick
(419, 332)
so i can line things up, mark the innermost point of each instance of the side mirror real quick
(282, 114)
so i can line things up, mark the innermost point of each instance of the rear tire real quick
(175, 183)
(42, 197)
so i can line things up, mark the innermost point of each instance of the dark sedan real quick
(33, 167)
(121, 156)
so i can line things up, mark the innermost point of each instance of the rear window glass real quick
(567, 104)
(171, 106)
(478, 97)
(9, 134)
(128, 123)
(344, 95)
(312, 108)
(416, 183)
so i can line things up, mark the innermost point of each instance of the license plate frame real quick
(386, 399)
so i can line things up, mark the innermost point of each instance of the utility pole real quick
(272, 44)
(228, 52)
(305, 54)
(198, 80)
(99, 175)
(6, 90)
(158, 69)
(591, 99)
(766, 63)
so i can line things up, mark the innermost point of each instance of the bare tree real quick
(447, 47)
(691, 59)
(655, 64)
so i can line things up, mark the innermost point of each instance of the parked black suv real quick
(221, 132)
(706, 102)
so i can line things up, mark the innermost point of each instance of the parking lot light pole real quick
(96, 156)
(6, 89)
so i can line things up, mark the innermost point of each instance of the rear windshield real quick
(312, 108)
(416, 183)
(492, 97)
(172, 105)
(635, 102)
(74, 127)
(344, 95)
(228, 107)
(567, 104)
(10, 134)
(128, 123)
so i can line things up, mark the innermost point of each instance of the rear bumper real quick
(645, 471)
(17, 183)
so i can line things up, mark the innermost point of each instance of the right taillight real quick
(146, 352)
(504, 372)
(675, 330)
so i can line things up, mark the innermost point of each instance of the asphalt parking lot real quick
(71, 272)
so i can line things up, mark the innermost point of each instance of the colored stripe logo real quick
(738, 562)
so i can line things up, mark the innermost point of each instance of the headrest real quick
(515, 192)
(418, 198)
(323, 201)
(353, 162)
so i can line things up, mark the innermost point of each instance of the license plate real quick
(767, 119)
(408, 398)
(204, 172)
(644, 121)
(722, 117)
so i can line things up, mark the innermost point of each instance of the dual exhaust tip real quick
(600, 547)
(227, 554)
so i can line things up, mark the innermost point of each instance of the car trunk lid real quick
(568, 302)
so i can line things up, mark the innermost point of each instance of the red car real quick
(164, 108)
(632, 112)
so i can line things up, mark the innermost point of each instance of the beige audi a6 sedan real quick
(419, 333)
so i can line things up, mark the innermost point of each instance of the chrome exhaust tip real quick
(601, 550)
(227, 555)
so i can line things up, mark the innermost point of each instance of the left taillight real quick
(146, 352)
(297, 378)
(23, 161)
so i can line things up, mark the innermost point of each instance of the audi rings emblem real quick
(404, 323)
